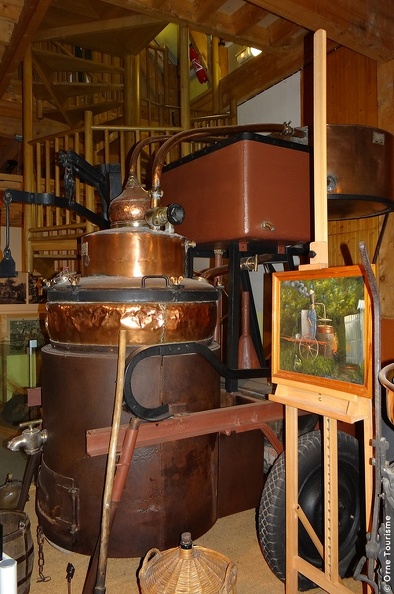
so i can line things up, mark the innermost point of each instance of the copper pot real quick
(138, 252)
(154, 309)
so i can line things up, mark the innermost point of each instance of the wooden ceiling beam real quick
(246, 17)
(181, 12)
(119, 24)
(32, 14)
(365, 27)
(202, 9)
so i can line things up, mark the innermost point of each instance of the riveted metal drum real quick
(169, 486)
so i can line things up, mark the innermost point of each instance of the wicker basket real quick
(187, 569)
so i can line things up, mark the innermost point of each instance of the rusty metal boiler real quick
(132, 274)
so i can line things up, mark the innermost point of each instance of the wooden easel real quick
(332, 405)
(333, 408)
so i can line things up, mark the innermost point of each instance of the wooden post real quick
(89, 156)
(215, 69)
(320, 245)
(184, 70)
(291, 430)
(132, 98)
(28, 173)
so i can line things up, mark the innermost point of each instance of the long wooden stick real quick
(122, 470)
(111, 465)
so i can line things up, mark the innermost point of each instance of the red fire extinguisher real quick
(198, 67)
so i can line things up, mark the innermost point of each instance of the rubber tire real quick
(272, 509)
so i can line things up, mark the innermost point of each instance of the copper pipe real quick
(138, 149)
(161, 139)
(214, 272)
(159, 161)
(217, 335)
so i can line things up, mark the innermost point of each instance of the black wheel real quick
(271, 515)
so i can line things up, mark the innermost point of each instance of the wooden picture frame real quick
(322, 330)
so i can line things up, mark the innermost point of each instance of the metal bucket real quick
(18, 544)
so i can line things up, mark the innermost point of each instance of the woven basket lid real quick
(187, 569)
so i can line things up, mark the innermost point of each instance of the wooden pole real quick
(320, 244)
(89, 156)
(28, 175)
(184, 70)
(215, 69)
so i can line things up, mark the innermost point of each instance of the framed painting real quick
(322, 330)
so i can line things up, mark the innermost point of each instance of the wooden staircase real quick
(65, 85)
(67, 81)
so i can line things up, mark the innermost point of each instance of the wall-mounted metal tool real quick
(7, 265)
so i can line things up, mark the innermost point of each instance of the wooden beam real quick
(366, 27)
(246, 16)
(204, 8)
(217, 23)
(100, 26)
(30, 19)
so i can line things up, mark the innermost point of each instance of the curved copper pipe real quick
(161, 139)
(138, 149)
(158, 163)
(213, 272)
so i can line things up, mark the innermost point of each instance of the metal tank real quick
(132, 275)
(360, 179)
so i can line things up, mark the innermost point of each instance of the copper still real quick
(132, 275)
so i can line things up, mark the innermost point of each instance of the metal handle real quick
(153, 276)
(267, 226)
